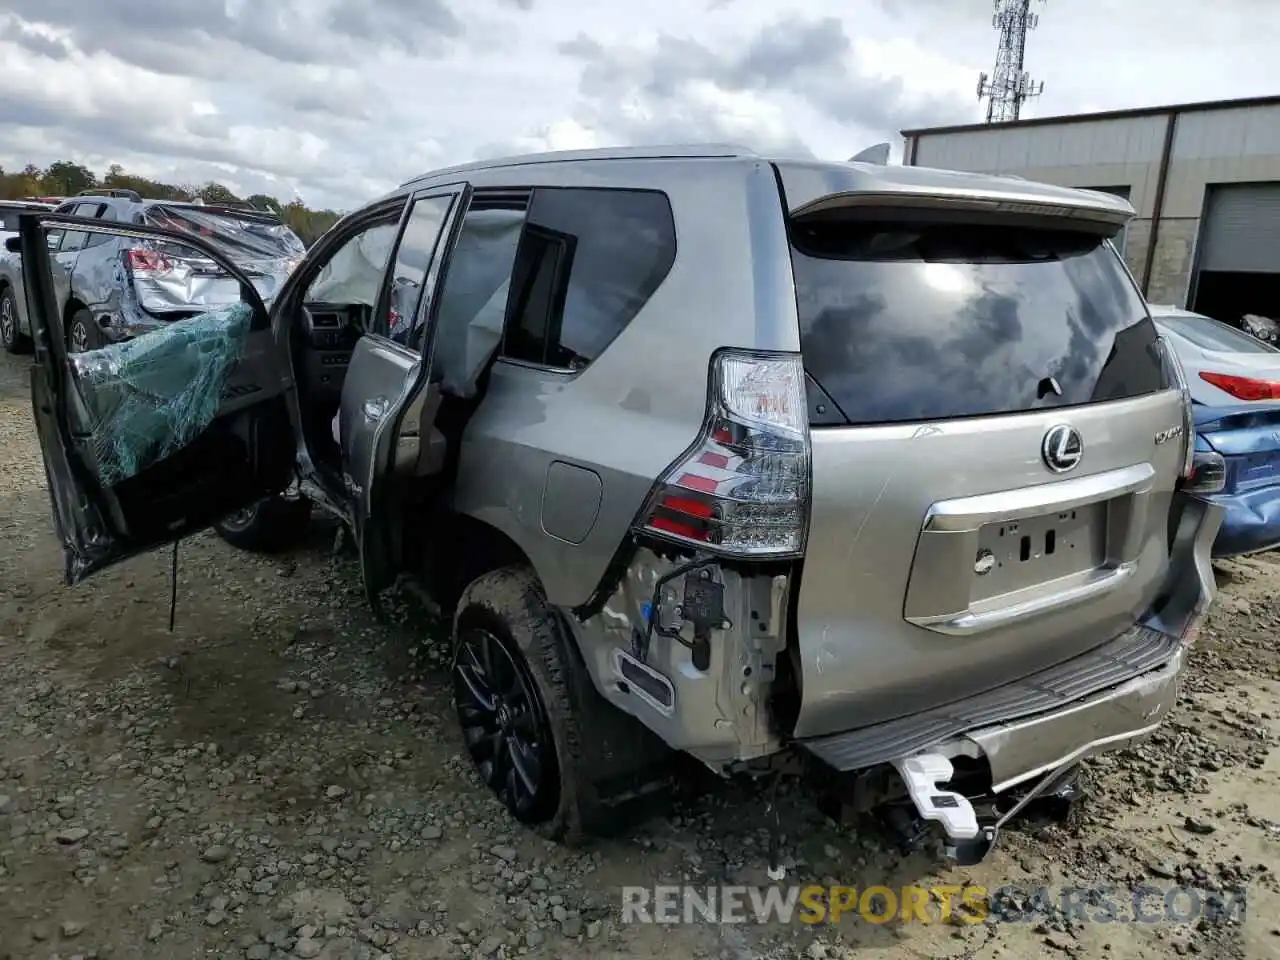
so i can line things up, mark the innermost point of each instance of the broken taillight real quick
(1208, 474)
(742, 489)
(141, 260)
(1243, 388)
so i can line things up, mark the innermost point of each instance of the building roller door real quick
(1241, 229)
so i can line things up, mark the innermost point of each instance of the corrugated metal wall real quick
(1210, 148)
(1085, 154)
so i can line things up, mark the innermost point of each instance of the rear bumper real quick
(1032, 746)
(1102, 700)
(1250, 522)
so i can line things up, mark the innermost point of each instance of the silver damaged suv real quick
(881, 472)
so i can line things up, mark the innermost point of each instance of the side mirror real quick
(13, 244)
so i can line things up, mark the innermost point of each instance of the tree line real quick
(65, 179)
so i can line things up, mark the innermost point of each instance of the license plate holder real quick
(1014, 554)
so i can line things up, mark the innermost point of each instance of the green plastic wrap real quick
(149, 397)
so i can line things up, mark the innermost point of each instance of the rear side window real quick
(921, 321)
(76, 239)
(588, 260)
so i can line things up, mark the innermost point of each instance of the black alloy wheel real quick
(504, 724)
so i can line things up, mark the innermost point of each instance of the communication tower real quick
(1009, 84)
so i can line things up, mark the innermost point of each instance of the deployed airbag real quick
(149, 397)
(474, 301)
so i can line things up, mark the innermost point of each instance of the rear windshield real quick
(1214, 335)
(919, 321)
(241, 238)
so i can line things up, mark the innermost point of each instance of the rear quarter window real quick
(922, 321)
(588, 261)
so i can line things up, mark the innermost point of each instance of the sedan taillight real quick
(1243, 388)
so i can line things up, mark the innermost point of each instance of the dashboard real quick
(330, 332)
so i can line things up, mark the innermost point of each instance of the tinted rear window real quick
(1214, 335)
(917, 321)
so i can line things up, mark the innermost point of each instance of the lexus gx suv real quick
(878, 471)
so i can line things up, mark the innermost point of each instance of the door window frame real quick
(563, 278)
(90, 210)
(388, 212)
(431, 278)
(64, 209)
(86, 512)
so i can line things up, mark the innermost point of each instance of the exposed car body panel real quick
(629, 428)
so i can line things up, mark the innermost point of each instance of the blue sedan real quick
(1238, 447)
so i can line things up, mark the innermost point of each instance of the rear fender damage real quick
(691, 649)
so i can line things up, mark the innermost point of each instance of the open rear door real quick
(154, 437)
(388, 404)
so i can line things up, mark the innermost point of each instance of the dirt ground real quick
(281, 777)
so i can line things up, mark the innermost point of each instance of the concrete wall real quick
(1236, 145)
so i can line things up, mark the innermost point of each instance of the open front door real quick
(388, 404)
(151, 435)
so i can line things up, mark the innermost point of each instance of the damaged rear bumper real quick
(1102, 700)
(1107, 697)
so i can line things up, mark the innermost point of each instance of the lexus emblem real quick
(1062, 448)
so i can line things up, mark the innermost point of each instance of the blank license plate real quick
(1022, 553)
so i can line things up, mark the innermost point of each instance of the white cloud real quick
(339, 100)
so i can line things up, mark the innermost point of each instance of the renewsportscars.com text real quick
(939, 903)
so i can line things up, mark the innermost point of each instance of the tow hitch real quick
(971, 824)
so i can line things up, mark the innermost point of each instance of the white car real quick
(1224, 365)
(9, 218)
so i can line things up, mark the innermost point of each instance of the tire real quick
(508, 609)
(11, 338)
(269, 526)
(82, 333)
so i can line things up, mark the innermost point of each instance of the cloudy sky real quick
(338, 100)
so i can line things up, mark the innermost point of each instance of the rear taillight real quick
(742, 489)
(1178, 378)
(1243, 388)
(147, 261)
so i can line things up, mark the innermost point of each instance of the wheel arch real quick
(73, 305)
(481, 548)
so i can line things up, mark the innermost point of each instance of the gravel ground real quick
(281, 777)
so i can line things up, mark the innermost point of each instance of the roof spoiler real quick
(879, 155)
(1111, 217)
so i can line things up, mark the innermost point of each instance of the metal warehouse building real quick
(1203, 177)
